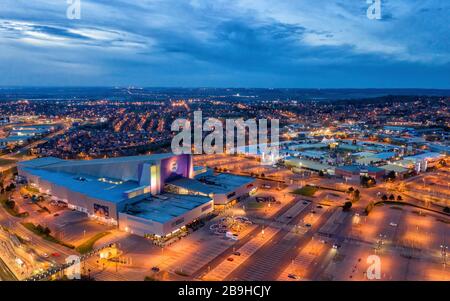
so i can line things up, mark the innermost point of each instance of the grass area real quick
(332, 189)
(306, 190)
(34, 229)
(254, 205)
(12, 211)
(4, 162)
(88, 245)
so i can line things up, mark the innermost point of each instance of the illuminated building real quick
(125, 191)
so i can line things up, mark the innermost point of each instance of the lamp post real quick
(444, 249)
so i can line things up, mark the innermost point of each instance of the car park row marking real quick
(225, 268)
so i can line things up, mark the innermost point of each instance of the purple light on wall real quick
(174, 168)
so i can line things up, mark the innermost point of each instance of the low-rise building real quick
(353, 173)
(225, 189)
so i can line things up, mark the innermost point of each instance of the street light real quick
(444, 249)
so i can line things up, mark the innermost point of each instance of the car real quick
(336, 246)
(45, 255)
(155, 269)
(237, 253)
(308, 225)
(56, 254)
(319, 206)
(305, 203)
(393, 224)
(56, 215)
(293, 276)
(230, 259)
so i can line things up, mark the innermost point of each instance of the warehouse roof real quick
(301, 163)
(165, 207)
(220, 183)
(98, 188)
(395, 168)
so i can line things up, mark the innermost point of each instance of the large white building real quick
(108, 189)
(129, 191)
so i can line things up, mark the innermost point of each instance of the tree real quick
(369, 207)
(384, 197)
(399, 198)
(392, 197)
(350, 190)
(447, 210)
(356, 195)
(367, 181)
(391, 176)
(10, 204)
(47, 231)
(321, 173)
(347, 206)
(40, 229)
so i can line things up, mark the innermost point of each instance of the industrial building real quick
(425, 160)
(353, 173)
(134, 192)
(224, 189)
(309, 165)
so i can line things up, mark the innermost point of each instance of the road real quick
(24, 149)
(5, 272)
(38, 244)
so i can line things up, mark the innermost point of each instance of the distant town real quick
(359, 189)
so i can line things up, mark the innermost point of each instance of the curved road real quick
(5, 272)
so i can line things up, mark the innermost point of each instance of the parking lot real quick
(431, 187)
(407, 240)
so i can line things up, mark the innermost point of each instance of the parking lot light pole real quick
(444, 249)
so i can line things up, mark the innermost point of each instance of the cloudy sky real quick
(226, 43)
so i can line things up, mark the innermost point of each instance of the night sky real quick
(226, 43)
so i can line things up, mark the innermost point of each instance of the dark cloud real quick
(225, 43)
